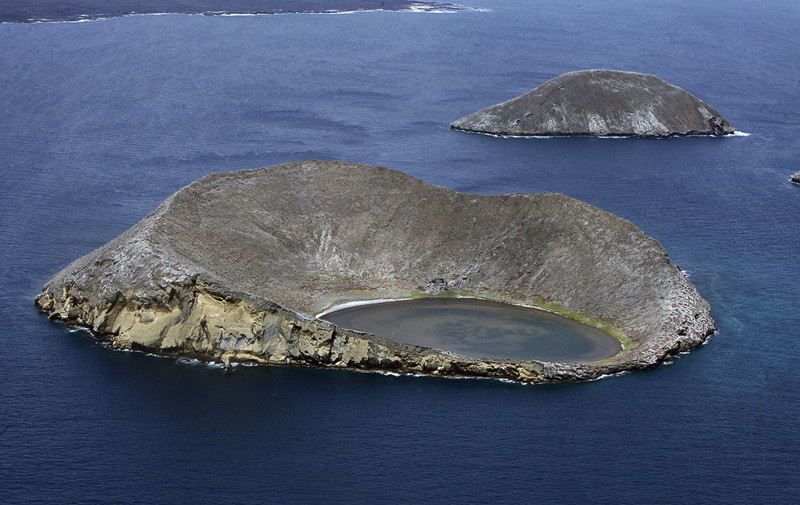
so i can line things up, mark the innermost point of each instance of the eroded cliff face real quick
(600, 103)
(234, 266)
(232, 328)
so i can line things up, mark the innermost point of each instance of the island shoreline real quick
(184, 283)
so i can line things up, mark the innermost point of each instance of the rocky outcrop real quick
(600, 103)
(234, 266)
(796, 178)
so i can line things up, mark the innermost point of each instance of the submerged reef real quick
(235, 266)
(600, 103)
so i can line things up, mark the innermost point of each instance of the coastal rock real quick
(437, 286)
(234, 267)
(796, 178)
(600, 103)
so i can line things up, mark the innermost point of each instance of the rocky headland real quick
(600, 103)
(234, 267)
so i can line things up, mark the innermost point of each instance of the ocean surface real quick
(102, 120)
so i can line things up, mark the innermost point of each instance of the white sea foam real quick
(85, 18)
(548, 136)
(440, 8)
(516, 136)
(416, 8)
(188, 361)
(708, 338)
(607, 375)
(462, 377)
(436, 9)
(737, 133)
(448, 377)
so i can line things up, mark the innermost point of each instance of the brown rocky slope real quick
(600, 103)
(234, 266)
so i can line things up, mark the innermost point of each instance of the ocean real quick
(102, 120)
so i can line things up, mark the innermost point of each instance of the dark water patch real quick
(477, 328)
(30, 11)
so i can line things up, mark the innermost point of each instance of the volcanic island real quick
(600, 103)
(234, 268)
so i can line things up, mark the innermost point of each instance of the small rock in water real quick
(796, 178)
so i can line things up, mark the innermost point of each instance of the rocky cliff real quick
(600, 103)
(234, 266)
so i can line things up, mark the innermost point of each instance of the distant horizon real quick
(25, 11)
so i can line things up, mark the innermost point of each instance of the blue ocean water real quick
(102, 120)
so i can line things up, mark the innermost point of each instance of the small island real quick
(235, 268)
(600, 103)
